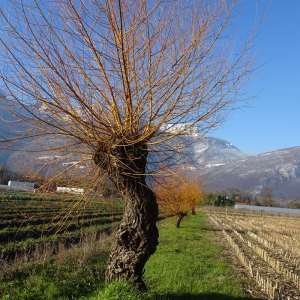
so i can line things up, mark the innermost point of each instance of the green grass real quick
(119, 290)
(189, 264)
(71, 278)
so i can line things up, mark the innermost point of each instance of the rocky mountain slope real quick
(223, 166)
(213, 152)
(278, 170)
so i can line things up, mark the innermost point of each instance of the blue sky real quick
(271, 119)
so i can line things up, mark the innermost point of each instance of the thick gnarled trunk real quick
(137, 236)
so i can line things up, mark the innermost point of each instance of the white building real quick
(70, 190)
(21, 186)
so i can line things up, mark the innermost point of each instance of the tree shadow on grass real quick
(210, 296)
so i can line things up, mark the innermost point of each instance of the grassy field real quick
(72, 274)
(53, 246)
(40, 224)
(46, 256)
(188, 264)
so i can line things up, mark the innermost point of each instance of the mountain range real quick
(224, 166)
(220, 164)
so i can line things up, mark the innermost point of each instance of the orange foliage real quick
(177, 195)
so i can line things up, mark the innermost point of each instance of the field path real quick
(190, 264)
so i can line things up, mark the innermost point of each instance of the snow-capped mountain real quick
(278, 170)
(223, 166)
(211, 152)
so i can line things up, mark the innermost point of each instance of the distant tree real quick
(4, 176)
(220, 199)
(266, 197)
(177, 195)
(113, 80)
(294, 204)
(209, 199)
(246, 198)
(235, 194)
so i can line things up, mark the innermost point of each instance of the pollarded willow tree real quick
(118, 80)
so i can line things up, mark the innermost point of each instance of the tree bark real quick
(179, 219)
(136, 238)
(193, 210)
